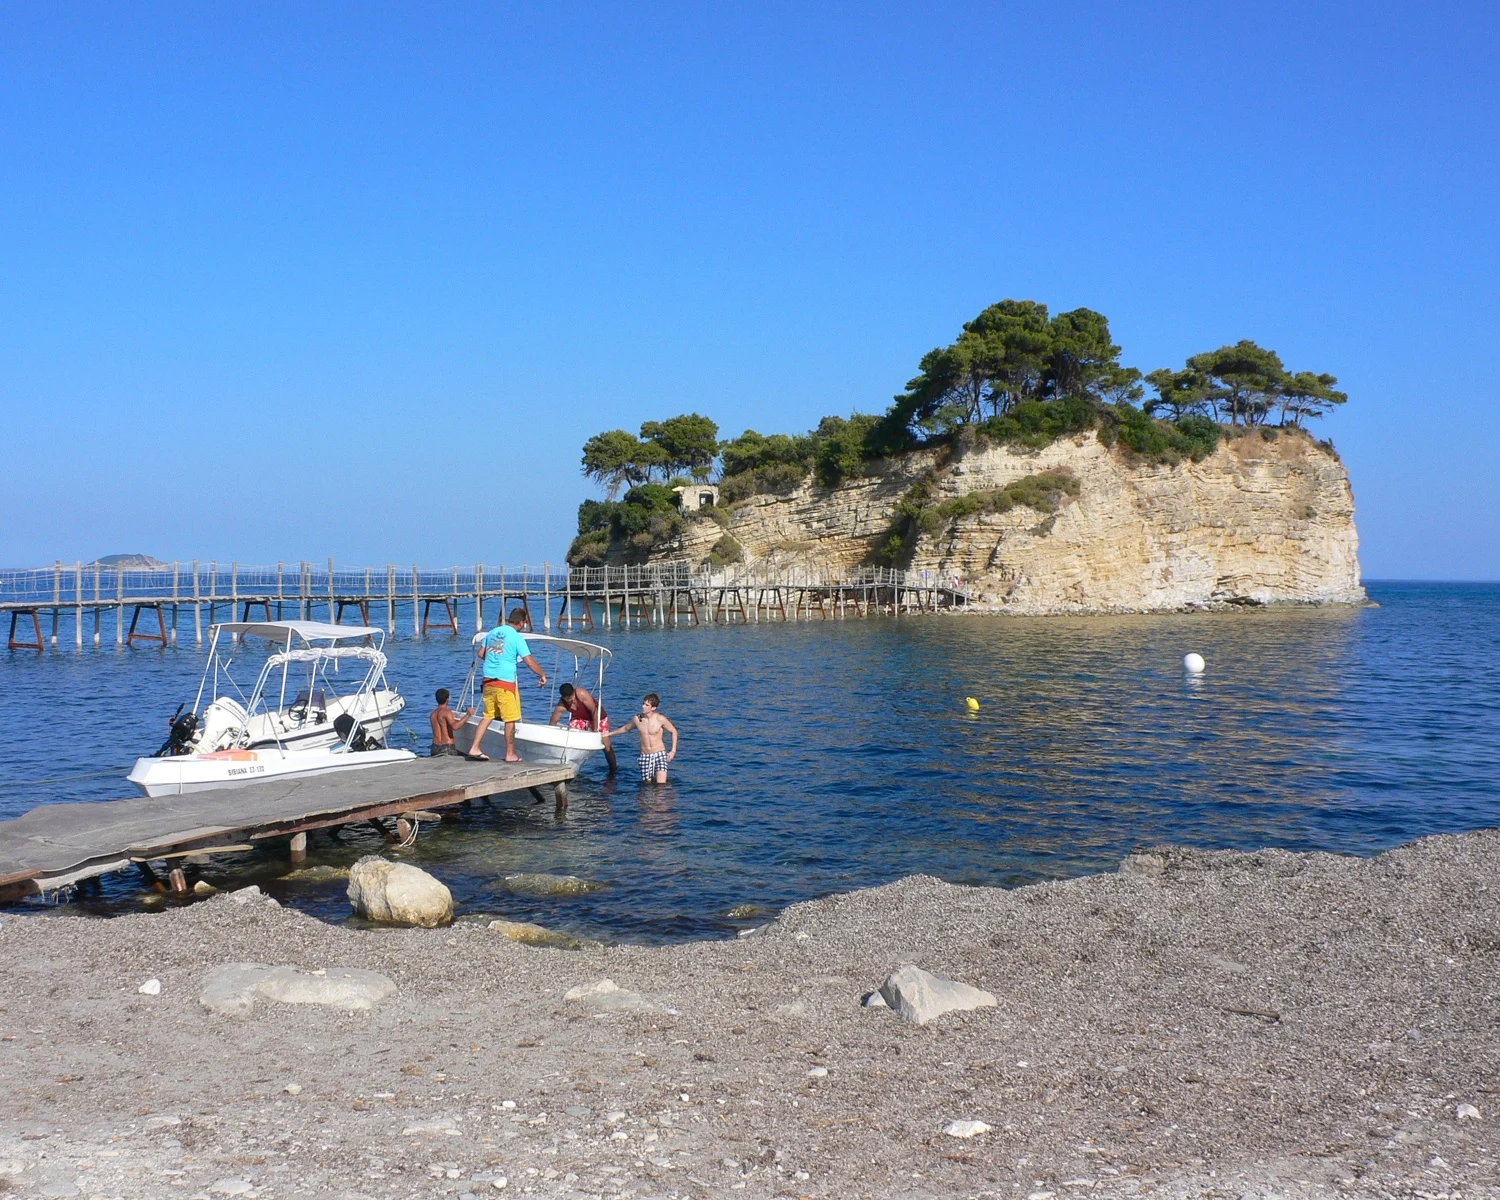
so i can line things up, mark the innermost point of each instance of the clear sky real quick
(284, 281)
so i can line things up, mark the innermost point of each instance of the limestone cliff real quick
(1259, 521)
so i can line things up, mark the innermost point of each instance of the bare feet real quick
(513, 758)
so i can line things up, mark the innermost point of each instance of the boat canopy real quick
(314, 654)
(571, 645)
(308, 631)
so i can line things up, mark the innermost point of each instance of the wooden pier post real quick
(97, 597)
(119, 606)
(500, 620)
(390, 598)
(197, 608)
(330, 590)
(280, 592)
(605, 569)
(416, 603)
(478, 597)
(56, 596)
(176, 596)
(78, 596)
(547, 597)
(234, 595)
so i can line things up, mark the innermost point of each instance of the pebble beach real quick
(1196, 1024)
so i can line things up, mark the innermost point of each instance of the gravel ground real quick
(1199, 1024)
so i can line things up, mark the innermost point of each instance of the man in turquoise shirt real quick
(504, 648)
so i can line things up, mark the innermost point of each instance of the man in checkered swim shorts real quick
(651, 725)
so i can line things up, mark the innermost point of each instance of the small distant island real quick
(1024, 461)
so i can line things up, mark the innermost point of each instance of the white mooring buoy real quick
(1193, 664)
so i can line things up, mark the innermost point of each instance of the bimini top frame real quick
(318, 647)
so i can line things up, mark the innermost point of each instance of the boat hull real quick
(552, 745)
(235, 768)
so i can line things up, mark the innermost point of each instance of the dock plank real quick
(58, 839)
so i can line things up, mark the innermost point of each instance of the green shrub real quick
(750, 451)
(725, 551)
(771, 479)
(589, 549)
(1192, 437)
(647, 517)
(715, 514)
(841, 447)
(1036, 424)
(915, 513)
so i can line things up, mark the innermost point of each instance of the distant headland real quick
(1026, 461)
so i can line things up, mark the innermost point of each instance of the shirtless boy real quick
(444, 721)
(654, 754)
(584, 712)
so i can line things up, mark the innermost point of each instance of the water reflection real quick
(822, 757)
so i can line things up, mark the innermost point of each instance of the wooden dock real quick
(56, 846)
(147, 606)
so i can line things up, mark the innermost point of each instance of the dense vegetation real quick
(917, 513)
(1015, 374)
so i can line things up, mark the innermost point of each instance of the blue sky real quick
(283, 281)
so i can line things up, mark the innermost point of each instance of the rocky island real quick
(1019, 464)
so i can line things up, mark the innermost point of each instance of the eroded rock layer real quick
(1261, 521)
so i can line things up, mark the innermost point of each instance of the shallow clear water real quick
(822, 757)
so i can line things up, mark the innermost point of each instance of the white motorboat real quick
(581, 663)
(295, 721)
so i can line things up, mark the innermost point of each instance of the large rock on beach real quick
(236, 987)
(607, 996)
(530, 884)
(398, 894)
(920, 996)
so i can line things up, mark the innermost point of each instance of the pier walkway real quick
(151, 605)
(56, 846)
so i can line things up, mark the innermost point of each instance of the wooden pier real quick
(58, 846)
(153, 606)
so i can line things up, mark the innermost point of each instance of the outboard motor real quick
(344, 725)
(180, 736)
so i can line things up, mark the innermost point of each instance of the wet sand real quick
(1198, 1024)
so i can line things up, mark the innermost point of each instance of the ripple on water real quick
(822, 757)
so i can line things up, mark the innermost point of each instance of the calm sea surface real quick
(823, 757)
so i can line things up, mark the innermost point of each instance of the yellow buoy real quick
(971, 704)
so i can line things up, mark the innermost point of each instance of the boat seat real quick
(303, 706)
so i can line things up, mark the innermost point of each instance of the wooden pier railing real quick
(152, 606)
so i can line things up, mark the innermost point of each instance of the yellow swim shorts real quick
(502, 700)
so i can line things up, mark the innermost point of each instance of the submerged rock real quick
(533, 884)
(236, 987)
(920, 996)
(540, 935)
(318, 873)
(398, 894)
(749, 912)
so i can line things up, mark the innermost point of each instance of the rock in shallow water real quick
(235, 987)
(920, 996)
(531, 884)
(540, 935)
(398, 894)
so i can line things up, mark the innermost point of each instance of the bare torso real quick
(651, 733)
(443, 720)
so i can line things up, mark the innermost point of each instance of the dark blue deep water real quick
(823, 757)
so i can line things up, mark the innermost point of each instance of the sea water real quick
(819, 757)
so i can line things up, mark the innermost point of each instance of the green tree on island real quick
(1016, 374)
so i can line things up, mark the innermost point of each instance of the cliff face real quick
(1257, 521)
